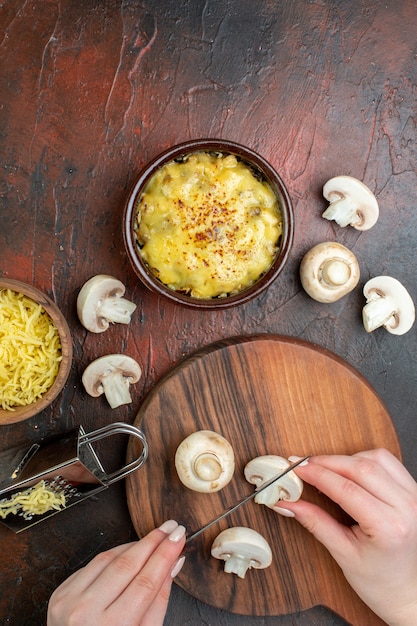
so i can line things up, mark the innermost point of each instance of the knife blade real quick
(246, 499)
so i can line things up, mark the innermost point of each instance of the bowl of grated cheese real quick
(209, 224)
(35, 351)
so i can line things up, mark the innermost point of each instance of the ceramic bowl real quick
(263, 170)
(24, 412)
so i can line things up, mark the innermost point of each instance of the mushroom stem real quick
(116, 390)
(207, 466)
(237, 564)
(116, 310)
(335, 272)
(343, 212)
(267, 495)
(377, 313)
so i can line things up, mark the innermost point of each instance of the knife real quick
(243, 501)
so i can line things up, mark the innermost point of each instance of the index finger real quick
(83, 578)
(377, 471)
(392, 465)
(117, 573)
(333, 477)
(143, 586)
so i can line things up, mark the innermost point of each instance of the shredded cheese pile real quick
(36, 500)
(30, 350)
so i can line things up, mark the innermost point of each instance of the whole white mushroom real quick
(205, 461)
(329, 271)
(101, 303)
(112, 375)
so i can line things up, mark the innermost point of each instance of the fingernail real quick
(177, 534)
(177, 567)
(168, 526)
(294, 459)
(284, 512)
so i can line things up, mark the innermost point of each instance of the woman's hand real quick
(378, 554)
(128, 585)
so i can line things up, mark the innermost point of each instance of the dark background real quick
(89, 92)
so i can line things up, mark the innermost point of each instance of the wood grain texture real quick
(266, 395)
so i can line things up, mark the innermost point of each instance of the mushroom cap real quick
(205, 461)
(91, 294)
(107, 366)
(329, 271)
(388, 292)
(263, 468)
(243, 543)
(352, 197)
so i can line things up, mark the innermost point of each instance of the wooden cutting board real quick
(267, 395)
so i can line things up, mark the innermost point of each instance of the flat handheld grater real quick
(69, 467)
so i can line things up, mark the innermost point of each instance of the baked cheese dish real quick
(207, 225)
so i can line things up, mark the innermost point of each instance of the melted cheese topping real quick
(30, 350)
(207, 226)
(36, 500)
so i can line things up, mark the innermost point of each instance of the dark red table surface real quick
(91, 91)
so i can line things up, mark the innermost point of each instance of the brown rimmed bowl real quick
(29, 410)
(262, 168)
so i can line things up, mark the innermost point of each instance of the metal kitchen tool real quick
(67, 463)
(246, 499)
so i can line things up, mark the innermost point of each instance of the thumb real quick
(336, 537)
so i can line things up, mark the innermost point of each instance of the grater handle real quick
(114, 429)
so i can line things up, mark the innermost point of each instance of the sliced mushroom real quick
(388, 304)
(329, 271)
(351, 203)
(100, 303)
(241, 549)
(205, 461)
(112, 375)
(262, 468)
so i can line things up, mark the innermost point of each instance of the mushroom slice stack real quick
(100, 303)
(329, 271)
(241, 549)
(112, 374)
(388, 304)
(205, 461)
(262, 469)
(351, 203)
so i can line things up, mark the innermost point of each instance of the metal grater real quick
(68, 464)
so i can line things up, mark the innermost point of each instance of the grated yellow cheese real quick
(35, 500)
(207, 226)
(30, 350)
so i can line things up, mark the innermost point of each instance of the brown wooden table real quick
(89, 92)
